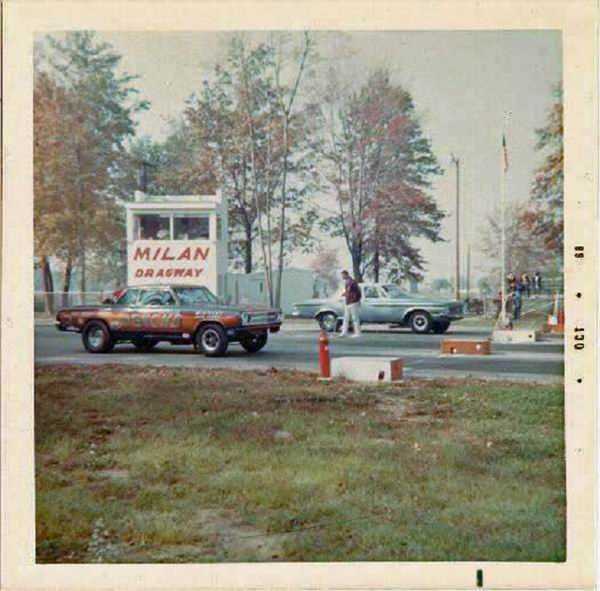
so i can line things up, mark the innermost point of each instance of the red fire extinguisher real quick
(324, 360)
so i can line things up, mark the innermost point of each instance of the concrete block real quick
(465, 347)
(367, 369)
(514, 336)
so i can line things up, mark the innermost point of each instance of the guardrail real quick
(534, 304)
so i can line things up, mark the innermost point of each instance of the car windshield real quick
(195, 295)
(394, 291)
(128, 298)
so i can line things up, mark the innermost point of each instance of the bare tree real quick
(525, 250)
(326, 265)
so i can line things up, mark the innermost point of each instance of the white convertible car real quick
(385, 304)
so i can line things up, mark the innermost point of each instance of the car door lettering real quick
(140, 320)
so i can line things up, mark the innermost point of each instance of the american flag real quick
(504, 153)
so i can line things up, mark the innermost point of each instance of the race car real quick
(180, 315)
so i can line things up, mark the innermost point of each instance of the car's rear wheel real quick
(328, 321)
(145, 345)
(96, 337)
(440, 326)
(254, 343)
(212, 340)
(420, 322)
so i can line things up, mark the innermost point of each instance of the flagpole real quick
(504, 168)
(502, 252)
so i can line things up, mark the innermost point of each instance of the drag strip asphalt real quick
(297, 348)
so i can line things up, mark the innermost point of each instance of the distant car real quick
(384, 304)
(180, 315)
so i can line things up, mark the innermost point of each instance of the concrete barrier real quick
(367, 369)
(466, 347)
(514, 336)
(557, 329)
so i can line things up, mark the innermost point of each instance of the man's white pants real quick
(351, 311)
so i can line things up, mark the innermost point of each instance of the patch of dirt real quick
(381, 441)
(394, 408)
(47, 459)
(114, 474)
(233, 538)
(408, 410)
(72, 463)
(170, 553)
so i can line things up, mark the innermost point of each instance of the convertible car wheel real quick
(329, 322)
(212, 340)
(97, 338)
(420, 322)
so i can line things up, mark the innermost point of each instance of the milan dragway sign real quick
(149, 262)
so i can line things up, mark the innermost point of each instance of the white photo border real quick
(576, 19)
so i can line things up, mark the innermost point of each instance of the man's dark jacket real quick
(352, 292)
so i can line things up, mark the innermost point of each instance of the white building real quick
(182, 239)
(177, 239)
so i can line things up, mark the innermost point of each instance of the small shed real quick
(297, 285)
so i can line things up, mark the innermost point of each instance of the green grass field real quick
(178, 465)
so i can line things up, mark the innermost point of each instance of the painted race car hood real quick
(224, 308)
(233, 308)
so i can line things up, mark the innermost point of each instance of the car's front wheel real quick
(328, 321)
(96, 337)
(254, 343)
(420, 322)
(212, 340)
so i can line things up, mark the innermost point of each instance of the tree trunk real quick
(287, 112)
(356, 267)
(248, 249)
(67, 282)
(48, 285)
(282, 216)
(376, 265)
(81, 228)
(376, 261)
(122, 275)
(82, 271)
(254, 166)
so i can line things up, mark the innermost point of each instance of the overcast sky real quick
(462, 84)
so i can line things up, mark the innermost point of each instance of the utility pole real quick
(468, 271)
(503, 319)
(456, 162)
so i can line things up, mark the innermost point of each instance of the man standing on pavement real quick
(352, 296)
(517, 297)
(526, 283)
(537, 282)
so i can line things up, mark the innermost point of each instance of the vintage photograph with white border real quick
(238, 175)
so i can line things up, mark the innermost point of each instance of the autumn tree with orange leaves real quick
(50, 102)
(545, 216)
(380, 166)
(83, 115)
